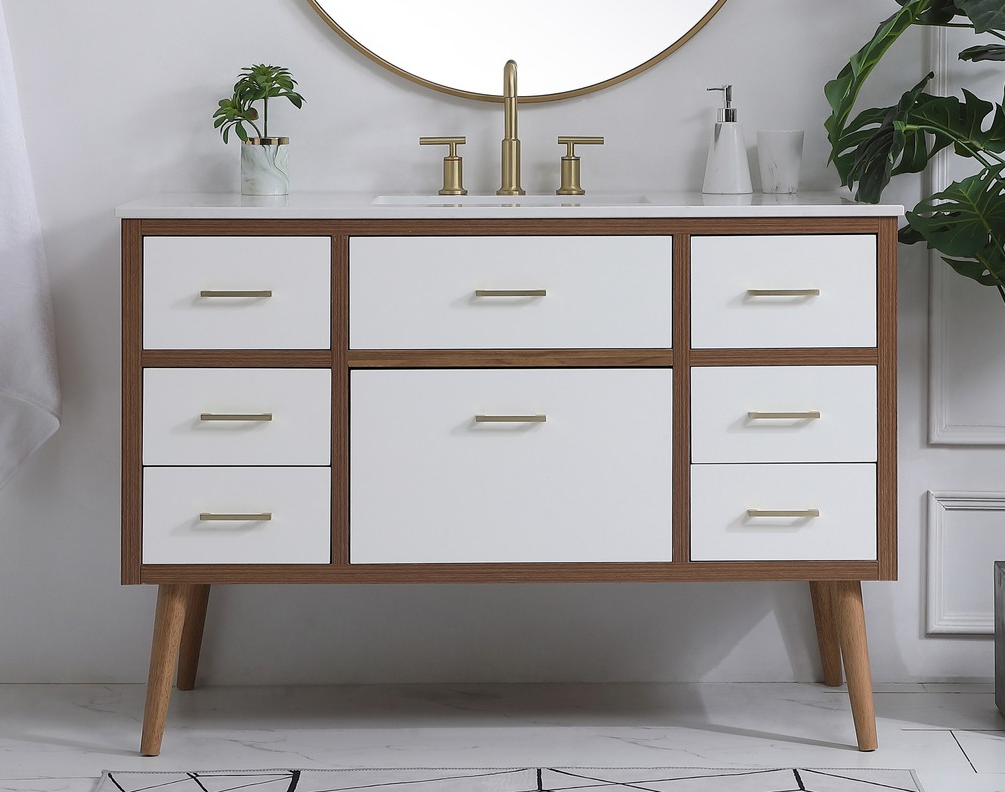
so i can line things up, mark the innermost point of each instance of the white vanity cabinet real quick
(340, 392)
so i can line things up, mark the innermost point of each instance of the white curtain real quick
(29, 387)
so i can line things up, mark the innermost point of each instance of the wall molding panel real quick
(961, 538)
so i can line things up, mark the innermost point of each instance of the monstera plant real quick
(965, 222)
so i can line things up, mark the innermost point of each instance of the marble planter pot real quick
(265, 166)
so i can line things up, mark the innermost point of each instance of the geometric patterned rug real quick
(517, 779)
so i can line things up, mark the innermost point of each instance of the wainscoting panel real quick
(966, 535)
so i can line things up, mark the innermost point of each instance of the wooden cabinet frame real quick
(835, 584)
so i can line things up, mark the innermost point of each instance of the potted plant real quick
(965, 222)
(264, 159)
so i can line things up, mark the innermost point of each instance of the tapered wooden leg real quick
(855, 652)
(169, 622)
(191, 637)
(822, 596)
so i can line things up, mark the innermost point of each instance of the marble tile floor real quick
(58, 738)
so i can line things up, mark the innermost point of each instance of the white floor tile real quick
(65, 735)
(985, 750)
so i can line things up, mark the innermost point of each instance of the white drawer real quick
(843, 494)
(223, 416)
(298, 500)
(783, 414)
(725, 269)
(419, 293)
(430, 484)
(297, 270)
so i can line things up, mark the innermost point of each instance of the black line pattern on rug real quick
(291, 780)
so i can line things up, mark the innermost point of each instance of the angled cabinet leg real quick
(855, 652)
(191, 636)
(169, 622)
(822, 597)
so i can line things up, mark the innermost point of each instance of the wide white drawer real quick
(783, 414)
(295, 270)
(724, 529)
(297, 502)
(591, 481)
(783, 291)
(202, 416)
(458, 292)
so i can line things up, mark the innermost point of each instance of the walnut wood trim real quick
(867, 356)
(886, 494)
(515, 227)
(236, 358)
(682, 398)
(132, 401)
(507, 358)
(712, 571)
(340, 400)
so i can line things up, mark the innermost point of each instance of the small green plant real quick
(255, 83)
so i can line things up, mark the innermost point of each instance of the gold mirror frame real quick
(316, 4)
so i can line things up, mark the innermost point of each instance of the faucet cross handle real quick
(570, 163)
(453, 180)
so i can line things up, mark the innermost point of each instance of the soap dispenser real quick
(727, 171)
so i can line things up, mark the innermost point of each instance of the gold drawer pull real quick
(803, 415)
(235, 416)
(511, 418)
(783, 512)
(783, 292)
(511, 292)
(256, 517)
(236, 293)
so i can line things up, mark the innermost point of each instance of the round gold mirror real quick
(562, 49)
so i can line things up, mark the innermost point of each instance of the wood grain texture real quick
(340, 400)
(785, 357)
(191, 636)
(855, 653)
(825, 621)
(508, 358)
(169, 621)
(236, 358)
(886, 496)
(132, 402)
(681, 339)
(712, 571)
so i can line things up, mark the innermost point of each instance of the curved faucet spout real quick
(511, 142)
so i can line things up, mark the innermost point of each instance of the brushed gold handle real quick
(235, 416)
(511, 292)
(230, 516)
(804, 415)
(511, 418)
(783, 512)
(236, 293)
(783, 292)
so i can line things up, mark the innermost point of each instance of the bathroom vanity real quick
(337, 389)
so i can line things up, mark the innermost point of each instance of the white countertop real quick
(353, 206)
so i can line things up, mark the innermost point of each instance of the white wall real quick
(117, 98)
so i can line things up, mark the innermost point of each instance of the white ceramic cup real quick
(779, 155)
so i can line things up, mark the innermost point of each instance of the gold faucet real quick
(510, 142)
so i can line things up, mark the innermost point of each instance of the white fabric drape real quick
(29, 387)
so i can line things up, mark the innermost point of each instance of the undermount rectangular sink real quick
(511, 200)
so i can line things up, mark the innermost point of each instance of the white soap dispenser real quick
(727, 171)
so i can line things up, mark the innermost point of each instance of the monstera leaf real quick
(985, 52)
(961, 123)
(987, 15)
(966, 224)
(879, 144)
(843, 90)
(935, 12)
